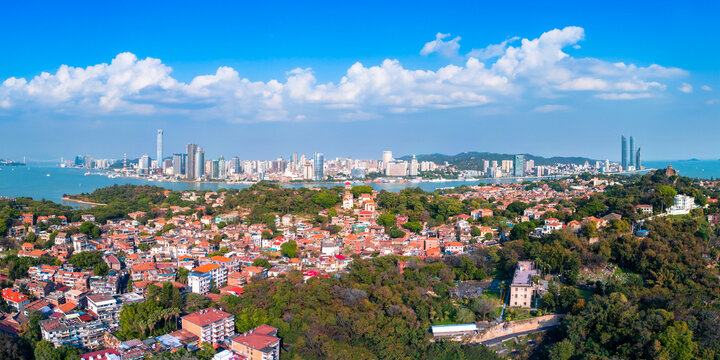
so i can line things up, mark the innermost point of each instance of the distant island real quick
(473, 160)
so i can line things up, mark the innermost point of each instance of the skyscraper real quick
(318, 166)
(295, 164)
(160, 148)
(190, 161)
(638, 163)
(386, 158)
(179, 164)
(624, 162)
(199, 170)
(519, 165)
(413, 166)
(632, 151)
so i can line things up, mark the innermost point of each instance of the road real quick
(500, 339)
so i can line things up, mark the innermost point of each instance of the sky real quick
(353, 79)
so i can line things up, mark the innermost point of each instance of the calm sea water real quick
(41, 181)
(49, 182)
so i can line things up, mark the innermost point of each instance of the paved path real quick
(500, 339)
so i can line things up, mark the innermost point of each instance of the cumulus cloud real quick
(444, 48)
(532, 68)
(686, 88)
(491, 51)
(706, 88)
(550, 108)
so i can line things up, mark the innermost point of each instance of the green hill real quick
(473, 160)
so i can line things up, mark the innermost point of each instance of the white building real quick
(683, 205)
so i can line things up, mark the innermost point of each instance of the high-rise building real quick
(190, 161)
(632, 151)
(295, 165)
(624, 146)
(318, 166)
(519, 165)
(486, 165)
(179, 164)
(507, 166)
(386, 158)
(144, 162)
(413, 166)
(160, 148)
(199, 170)
(235, 165)
(638, 163)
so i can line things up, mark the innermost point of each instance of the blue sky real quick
(264, 80)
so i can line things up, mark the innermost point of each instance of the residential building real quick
(81, 331)
(210, 325)
(522, 288)
(202, 277)
(260, 343)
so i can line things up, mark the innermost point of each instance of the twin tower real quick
(635, 163)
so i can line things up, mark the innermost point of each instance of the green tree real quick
(677, 342)
(563, 350)
(261, 262)
(289, 249)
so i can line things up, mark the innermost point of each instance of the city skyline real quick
(294, 83)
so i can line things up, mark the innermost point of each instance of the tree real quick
(90, 229)
(12, 349)
(361, 189)
(261, 262)
(182, 275)
(677, 342)
(44, 350)
(413, 226)
(464, 316)
(206, 351)
(289, 249)
(521, 230)
(484, 307)
(387, 220)
(563, 350)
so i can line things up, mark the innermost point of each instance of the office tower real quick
(485, 165)
(160, 148)
(632, 151)
(638, 164)
(519, 165)
(295, 164)
(413, 166)
(144, 162)
(308, 173)
(215, 169)
(199, 170)
(386, 158)
(235, 165)
(624, 162)
(178, 164)
(396, 168)
(318, 166)
(190, 161)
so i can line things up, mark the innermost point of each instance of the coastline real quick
(83, 202)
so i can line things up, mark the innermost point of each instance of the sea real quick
(51, 182)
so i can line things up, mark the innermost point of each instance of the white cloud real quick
(534, 68)
(446, 49)
(623, 96)
(713, 101)
(491, 51)
(550, 108)
(686, 88)
(706, 88)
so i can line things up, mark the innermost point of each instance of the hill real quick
(473, 160)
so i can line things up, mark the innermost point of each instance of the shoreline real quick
(360, 181)
(83, 202)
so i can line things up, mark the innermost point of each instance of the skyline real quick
(563, 85)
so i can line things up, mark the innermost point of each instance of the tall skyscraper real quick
(295, 164)
(144, 162)
(190, 161)
(235, 165)
(624, 146)
(318, 166)
(179, 164)
(638, 163)
(160, 148)
(199, 170)
(519, 165)
(632, 151)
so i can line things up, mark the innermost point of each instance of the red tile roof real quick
(204, 317)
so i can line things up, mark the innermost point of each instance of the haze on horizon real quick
(264, 80)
